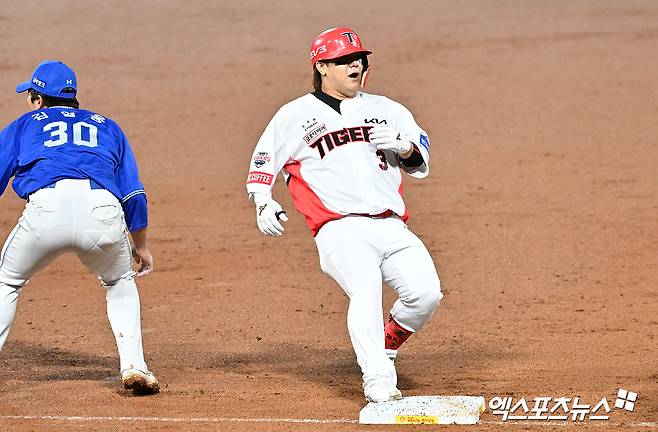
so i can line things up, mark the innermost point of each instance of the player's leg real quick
(38, 238)
(348, 256)
(103, 247)
(409, 270)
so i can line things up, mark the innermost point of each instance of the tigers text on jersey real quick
(51, 144)
(331, 167)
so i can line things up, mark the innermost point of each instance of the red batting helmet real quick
(334, 43)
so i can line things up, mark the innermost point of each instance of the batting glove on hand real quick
(269, 213)
(386, 138)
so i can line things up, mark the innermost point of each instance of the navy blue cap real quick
(52, 78)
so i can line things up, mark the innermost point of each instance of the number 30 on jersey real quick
(59, 134)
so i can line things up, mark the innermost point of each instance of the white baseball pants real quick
(361, 252)
(72, 217)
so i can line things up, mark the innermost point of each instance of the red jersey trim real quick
(309, 204)
(306, 201)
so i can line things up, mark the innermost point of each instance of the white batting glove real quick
(269, 213)
(386, 138)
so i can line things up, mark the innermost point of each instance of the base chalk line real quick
(177, 419)
(293, 420)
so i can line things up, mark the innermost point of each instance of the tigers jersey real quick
(331, 167)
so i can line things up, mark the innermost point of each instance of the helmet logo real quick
(319, 50)
(350, 37)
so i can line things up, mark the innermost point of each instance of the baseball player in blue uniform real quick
(78, 174)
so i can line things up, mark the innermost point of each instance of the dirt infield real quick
(540, 211)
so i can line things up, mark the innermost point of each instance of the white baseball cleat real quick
(141, 383)
(383, 393)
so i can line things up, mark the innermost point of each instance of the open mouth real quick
(354, 75)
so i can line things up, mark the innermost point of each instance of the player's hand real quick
(387, 138)
(144, 258)
(269, 215)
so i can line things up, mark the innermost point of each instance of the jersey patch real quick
(314, 133)
(261, 158)
(260, 177)
(425, 141)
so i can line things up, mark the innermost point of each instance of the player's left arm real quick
(416, 163)
(8, 155)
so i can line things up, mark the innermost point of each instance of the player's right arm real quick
(8, 155)
(141, 252)
(269, 157)
(134, 205)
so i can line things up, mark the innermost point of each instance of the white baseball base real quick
(425, 410)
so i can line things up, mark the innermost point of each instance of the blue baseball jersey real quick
(44, 146)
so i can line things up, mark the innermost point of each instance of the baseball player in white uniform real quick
(341, 152)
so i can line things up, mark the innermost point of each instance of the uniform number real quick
(383, 162)
(59, 135)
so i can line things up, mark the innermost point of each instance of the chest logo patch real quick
(314, 133)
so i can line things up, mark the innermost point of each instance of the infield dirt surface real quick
(540, 211)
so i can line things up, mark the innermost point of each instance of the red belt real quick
(382, 215)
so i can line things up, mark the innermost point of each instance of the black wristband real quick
(414, 160)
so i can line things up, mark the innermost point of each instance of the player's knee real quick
(9, 294)
(113, 280)
(5, 288)
(11, 282)
(430, 296)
